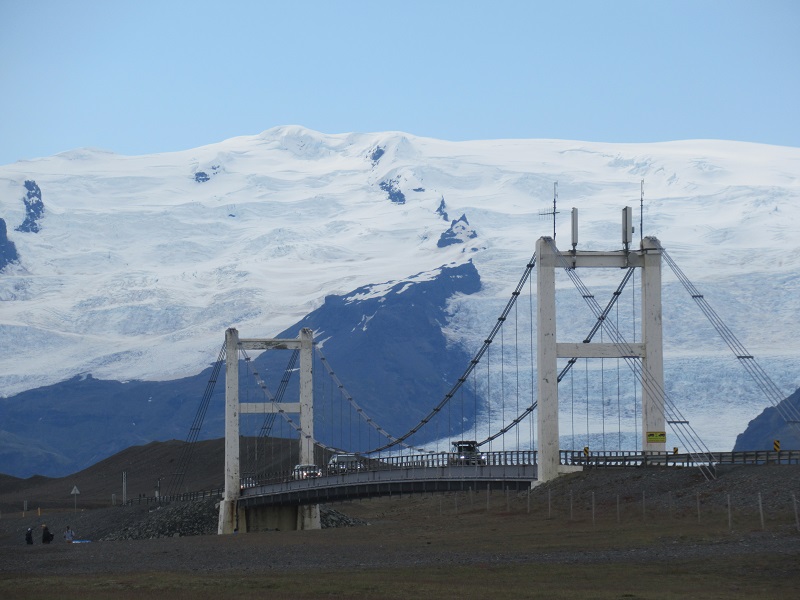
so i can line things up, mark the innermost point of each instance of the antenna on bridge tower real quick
(574, 228)
(554, 212)
(641, 214)
(627, 226)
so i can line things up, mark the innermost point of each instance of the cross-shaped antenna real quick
(554, 212)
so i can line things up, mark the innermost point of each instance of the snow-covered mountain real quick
(132, 267)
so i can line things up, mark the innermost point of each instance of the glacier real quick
(136, 265)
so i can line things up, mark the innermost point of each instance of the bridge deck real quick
(507, 470)
(335, 488)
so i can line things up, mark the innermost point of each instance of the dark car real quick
(345, 463)
(306, 472)
(465, 452)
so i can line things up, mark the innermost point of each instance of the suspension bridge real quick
(511, 450)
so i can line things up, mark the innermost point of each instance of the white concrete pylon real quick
(653, 419)
(650, 350)
(229, 519)
(227, 507)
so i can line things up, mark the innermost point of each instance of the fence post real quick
(698, 507)
(761, 511)
(644, 510)
(730, 523)
(796, 518)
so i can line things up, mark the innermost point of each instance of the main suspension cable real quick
(472, 364)
(788, 412)
(360, 411)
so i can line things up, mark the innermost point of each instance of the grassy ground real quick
(745, 577)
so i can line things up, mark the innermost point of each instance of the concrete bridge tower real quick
(650, 350)
(232, 519)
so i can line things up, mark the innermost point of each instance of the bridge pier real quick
(228, 517)
(282, 518)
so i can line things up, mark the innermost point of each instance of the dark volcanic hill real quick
(101, 484)
(771, 426)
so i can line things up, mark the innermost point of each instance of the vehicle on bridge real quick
(465, 452)
(345, 463)
(306, 472)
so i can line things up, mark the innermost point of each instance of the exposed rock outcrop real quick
(376, 154)
(459, 232)
(396, 195)
(8, 252)
(442, 210)
(34, 208)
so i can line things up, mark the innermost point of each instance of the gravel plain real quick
(687, 515)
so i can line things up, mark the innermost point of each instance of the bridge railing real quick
(444, 459)
(758, 457)
(617, 458)
(591, 459)
(186, 497)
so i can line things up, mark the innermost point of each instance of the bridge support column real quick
(308, 515)
(548, 458)
(228, 517)
(653, 420)
(306, 396)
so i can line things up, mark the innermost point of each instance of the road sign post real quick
(74, 494)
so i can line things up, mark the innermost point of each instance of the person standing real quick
(69, 535)
(29, 536)
(47, 537)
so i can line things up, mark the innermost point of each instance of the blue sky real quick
(142, 77)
